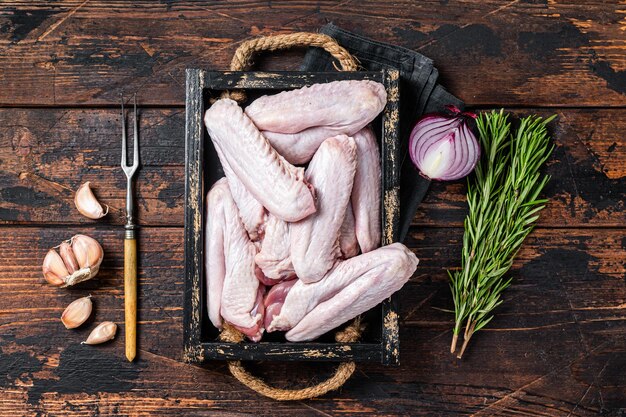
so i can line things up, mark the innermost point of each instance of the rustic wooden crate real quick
(380, 340)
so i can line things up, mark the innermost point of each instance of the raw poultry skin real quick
(374, 275)
(315, 240)
(215, 264)
(252, 213)
(299, 148)
(274, 258)
(241, 296)
(364, 293)
(347, 235)
(338, 103)
(296, 122)
(256, 163)
(366, 191)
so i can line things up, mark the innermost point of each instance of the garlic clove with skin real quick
(104, 332)
(67, 254)
(54, 269)
(88, 251)
(87, 204)
(77, 312)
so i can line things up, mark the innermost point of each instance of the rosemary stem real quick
(503, 205)
(466, 339)
(455, 338)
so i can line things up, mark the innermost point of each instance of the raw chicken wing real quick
(347, 235)
(336, 104)
(215, 262)
(297, 122)
(366, 191)
(382, 271)
(274, 258)
(241, 298)
(277, 185)
(314, 240)
(391, 272)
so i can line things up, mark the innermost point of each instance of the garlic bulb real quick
(104, 332)
(77, 312)
(87, 204)
(78, 261)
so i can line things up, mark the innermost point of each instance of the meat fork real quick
(130, 240)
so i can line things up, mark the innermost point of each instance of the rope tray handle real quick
(242, 60)
(343, 372)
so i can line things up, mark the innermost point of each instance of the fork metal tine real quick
(123, 134)
(136, 137)
(129, 170)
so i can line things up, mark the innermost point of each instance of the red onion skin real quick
(433, 129)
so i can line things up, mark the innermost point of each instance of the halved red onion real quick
(444, 147)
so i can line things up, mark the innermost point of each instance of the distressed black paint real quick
(25, 196)
(615, 79)
(584, 182)
(23, 22)
(89, 370)
(17, 365)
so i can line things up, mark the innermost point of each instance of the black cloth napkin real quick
(419, 94)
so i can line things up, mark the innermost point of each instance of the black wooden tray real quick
(380, 341)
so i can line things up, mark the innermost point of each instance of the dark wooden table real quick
(557, 346)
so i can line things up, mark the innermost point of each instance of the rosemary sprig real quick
(503, 205)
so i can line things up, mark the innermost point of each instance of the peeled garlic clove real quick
(54, 270)
(87, 204)
(104, 332)
(67, 254)
(77, 312)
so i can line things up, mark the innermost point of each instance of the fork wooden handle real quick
(130, 297)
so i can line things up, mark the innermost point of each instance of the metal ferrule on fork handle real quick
(130, 225)
(130, 232)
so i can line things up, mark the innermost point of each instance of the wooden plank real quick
(390, 214)
(550, 344)
(294, 352)
(194, 219)
(282, 80)
(46, 154)
(195, 391)
(565, 52)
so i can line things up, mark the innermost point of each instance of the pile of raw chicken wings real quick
(293, 230)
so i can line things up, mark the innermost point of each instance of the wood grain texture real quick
(516, 53)
(47, 154)
(552, 349)
(557, 346)
(130, 298)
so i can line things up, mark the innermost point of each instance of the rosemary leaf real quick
(503, 206)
